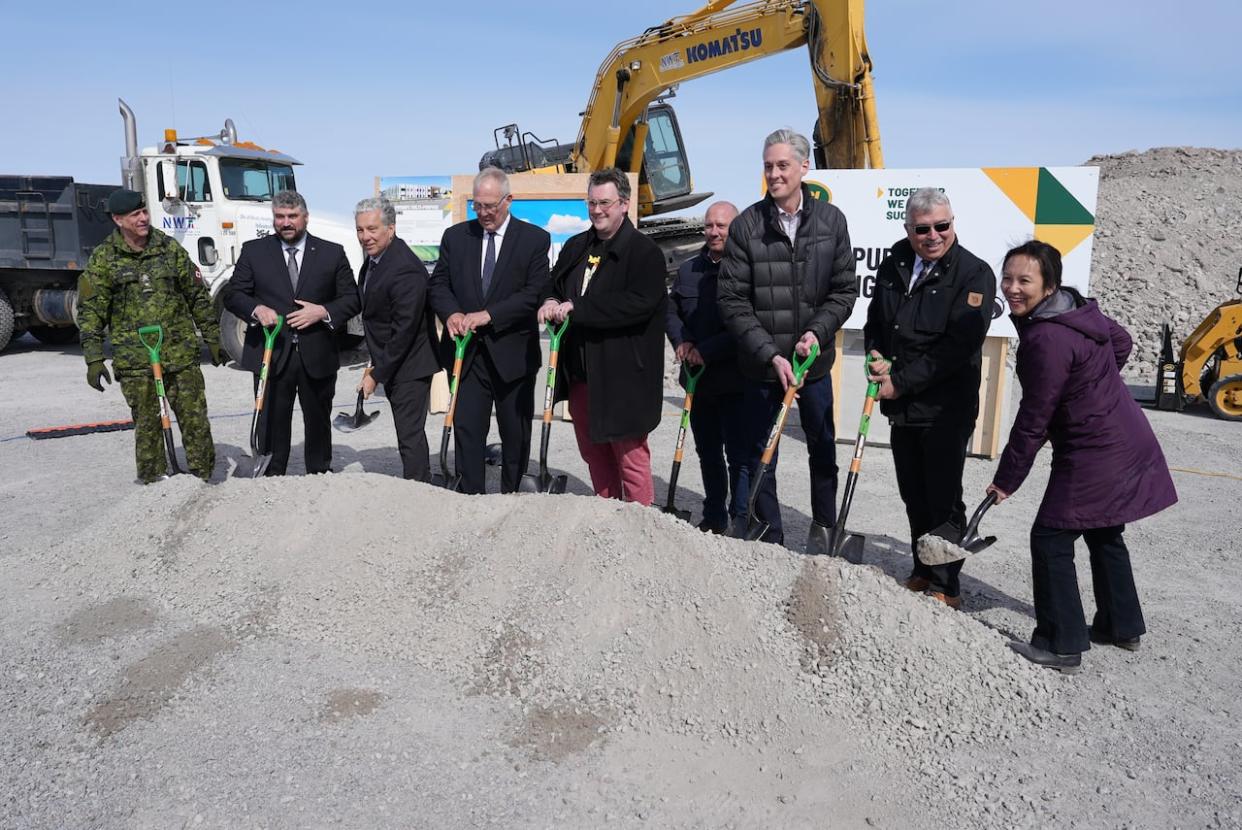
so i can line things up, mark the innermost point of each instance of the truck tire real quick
(6, 320)
(232, 334)
(55, 335)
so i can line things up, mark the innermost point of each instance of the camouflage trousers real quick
(188, 398)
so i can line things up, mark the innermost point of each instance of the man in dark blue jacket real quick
(700, 339)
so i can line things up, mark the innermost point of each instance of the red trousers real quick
(619, 469)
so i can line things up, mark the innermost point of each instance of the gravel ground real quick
(354, 650)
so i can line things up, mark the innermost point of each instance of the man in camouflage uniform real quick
(140, 277)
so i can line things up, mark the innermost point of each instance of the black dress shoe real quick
(708, 527)
(1102, 639)
(1064, 663)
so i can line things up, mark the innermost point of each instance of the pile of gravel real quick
(599, 632)
(1168, 242)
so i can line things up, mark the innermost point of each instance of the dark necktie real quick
(489, 261)
(293, 268)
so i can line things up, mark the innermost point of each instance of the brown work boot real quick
(953, 602)
(917, 584)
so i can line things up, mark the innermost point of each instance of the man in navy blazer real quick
(489, 278)
(400, 329)
(307, 280)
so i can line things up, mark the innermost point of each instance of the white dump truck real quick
(210, 193)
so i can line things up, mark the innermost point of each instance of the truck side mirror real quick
(168, 180)
(207, 254)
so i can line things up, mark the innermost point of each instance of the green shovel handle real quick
(459, 344)
(555, 334)
(270, 332)
(152, 351)
(873, 387)
(800, 365)
(692, 377)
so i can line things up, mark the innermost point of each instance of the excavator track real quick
(679, 239)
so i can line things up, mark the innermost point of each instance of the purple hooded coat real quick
(1107, 467)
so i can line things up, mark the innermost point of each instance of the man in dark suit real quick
(400, 329)
(489, 279)
(307, 280)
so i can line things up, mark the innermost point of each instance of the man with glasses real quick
(609, 281)
(787, 283)
(489, 279)
(928, 317)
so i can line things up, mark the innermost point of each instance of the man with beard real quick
(307, 280)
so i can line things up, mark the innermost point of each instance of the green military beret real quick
(125, 201)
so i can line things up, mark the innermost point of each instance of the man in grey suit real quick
(400, 330)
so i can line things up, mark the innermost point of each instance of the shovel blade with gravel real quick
(949, 543)
(351, 421)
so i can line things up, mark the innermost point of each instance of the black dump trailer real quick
(48, 227)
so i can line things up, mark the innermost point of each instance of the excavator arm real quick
(715, 37)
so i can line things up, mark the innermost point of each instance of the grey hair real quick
(388, 213)
(496, 175)
(289, 199)
(925, 200)
(613, 176)
(801, 147)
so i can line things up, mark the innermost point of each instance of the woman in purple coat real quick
(1107, 467)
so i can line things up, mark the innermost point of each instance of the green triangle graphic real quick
(1056, 206)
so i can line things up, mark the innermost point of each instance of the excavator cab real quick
(664, 179)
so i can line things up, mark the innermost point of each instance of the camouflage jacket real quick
(122, 290)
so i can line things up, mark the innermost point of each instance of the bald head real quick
(716, 227)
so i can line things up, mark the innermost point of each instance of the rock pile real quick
(600, 630)
(1168, 242)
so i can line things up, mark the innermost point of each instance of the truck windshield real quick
(254, 181)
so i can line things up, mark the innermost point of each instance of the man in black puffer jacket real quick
(787, 282)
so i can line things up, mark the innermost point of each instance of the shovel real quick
(848, 545)
(755, 527)
(153, 351)
(451, 482)
(545, 482)
(351, 421)
(948, 543)
(692, 380)
(260, 396)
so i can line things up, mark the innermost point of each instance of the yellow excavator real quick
(629, 124)
(1208, 365)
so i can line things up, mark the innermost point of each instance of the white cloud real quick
(559, 223)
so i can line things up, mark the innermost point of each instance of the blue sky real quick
(356, 91)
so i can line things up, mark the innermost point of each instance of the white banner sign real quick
(995, 209)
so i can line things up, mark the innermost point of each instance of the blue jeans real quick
(761, 402)
(720, 439)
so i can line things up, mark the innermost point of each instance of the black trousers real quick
(929, 461)
(481, 388)
(408, 400)
(315, 397)
(1060, 625)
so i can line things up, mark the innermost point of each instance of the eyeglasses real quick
(486, 207)
(924, 230)
(602, 203)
